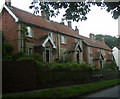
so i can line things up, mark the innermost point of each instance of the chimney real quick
(76, 30)
(62, 21)
(69, 24)
(92, 36)
(103, 40)
(45, 15)
(8, 3)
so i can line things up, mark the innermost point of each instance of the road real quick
(110, 93)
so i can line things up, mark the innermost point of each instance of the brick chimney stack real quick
(69, 24)
(76, 30)
(92, 36)
(8, 3)
(45, 15)
(103, 40)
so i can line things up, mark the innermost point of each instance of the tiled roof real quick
(95, 43)
(39, 21)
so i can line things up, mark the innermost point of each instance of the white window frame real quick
(110, 52)
(98, 50)
(104, 52)
(91, 51)
(29, 32)
(29, 51)
(63, 39)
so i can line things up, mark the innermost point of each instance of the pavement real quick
(110, 93)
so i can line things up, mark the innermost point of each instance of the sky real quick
(98, 22)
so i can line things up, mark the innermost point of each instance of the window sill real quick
(63, 43)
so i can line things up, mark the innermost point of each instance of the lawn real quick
(67, 92)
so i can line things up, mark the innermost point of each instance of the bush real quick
(25, 59)
(112, 66)
(65, 59)
(18, 55)
(36, 57)
(22, 55)
(66, 66)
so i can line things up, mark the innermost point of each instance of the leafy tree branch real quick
(75, 11)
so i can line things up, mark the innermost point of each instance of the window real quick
(63, 39)
(98, 50)
(29, 32)
(52, 36)
(110, 52)
(90, 50)
(30, 50)
(103, 53)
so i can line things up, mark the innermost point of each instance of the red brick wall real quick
(9, 28)
(69, 41)
(39, 32)
(94, 50)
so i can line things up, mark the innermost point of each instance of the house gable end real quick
(78, 46)
(10, 12)
(48, 39)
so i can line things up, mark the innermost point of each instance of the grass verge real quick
(66, 92)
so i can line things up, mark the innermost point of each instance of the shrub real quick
(25, 59)
(18, 55)
(112, 66)
(36, 57)
(65, 59)
(66, 66)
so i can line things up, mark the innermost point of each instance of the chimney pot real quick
(8, 3)
(69, 24)
(92, 36)
(103, 40)
(45, 15)
(76, 30)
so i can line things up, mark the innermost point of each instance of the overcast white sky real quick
(98, 22)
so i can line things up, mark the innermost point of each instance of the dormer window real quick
(29, 32)
(63, 39)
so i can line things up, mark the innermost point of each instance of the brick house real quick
(95, 52)
(50, 39)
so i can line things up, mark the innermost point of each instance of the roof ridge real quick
(21, 10)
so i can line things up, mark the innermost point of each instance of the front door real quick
(101, 64)
(77, 54)
(47, 54)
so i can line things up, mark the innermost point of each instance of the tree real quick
(74, 10)
(109, 40)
